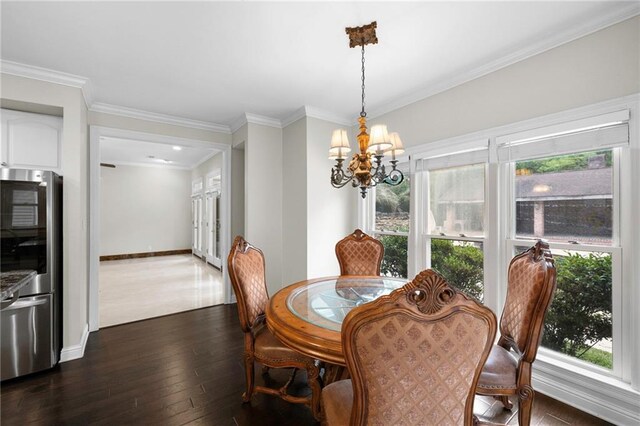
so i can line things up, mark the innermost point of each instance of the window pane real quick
(394, 262)
(566, 198)
(456, 201)
(392, 207)
(579, 321)
(461, 263)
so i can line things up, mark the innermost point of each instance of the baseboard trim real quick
(75, 351)
(147, 254)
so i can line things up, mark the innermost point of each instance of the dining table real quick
(307, 316)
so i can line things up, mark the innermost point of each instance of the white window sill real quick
(600, 394)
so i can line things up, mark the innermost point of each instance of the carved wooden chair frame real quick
(239, 247)
(358, 236)
(527, 355)
(428, 297)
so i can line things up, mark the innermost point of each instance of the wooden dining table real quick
(307, 316)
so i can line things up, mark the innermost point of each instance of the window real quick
(477, 203)
(391, 224)
(455, 225)
(568, 200)
(564, 187)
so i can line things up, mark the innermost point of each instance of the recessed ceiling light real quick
(177, 148)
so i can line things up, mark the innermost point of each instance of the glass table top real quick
(325, 303)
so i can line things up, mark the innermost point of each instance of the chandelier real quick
(365, 169)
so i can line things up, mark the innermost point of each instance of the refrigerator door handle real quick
(8, 302)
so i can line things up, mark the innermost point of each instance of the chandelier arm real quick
(339, 176)
(395, 177)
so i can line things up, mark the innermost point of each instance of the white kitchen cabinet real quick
(31, 141)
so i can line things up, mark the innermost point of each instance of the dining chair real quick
(359, 254)
(414, 357)
(530, 288)
(247, 272)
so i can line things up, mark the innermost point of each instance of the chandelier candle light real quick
(361, 172)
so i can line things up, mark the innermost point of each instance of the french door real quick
(196, 224)
(212, 228)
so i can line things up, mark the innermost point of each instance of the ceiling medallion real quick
(365, 168)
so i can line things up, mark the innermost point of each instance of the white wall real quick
(330, 211)
(144, 209)
(263, 197)
(294, 202)
(213, 163)
(237, 192)
(74, 200)
(600, 66)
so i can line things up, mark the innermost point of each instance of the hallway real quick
(135, 289)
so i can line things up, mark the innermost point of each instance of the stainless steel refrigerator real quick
(31, 232)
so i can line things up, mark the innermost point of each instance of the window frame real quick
(621, 361)
(427, 237)
(556, 373)
(367, 212)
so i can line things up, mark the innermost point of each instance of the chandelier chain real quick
(363, 113)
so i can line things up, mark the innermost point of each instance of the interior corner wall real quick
(263, 197)
(294, 202)
(330, 211)
(239, 172)
(75, 200)
(600, 66)
(144, 209)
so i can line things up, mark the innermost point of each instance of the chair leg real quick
(504, 400)
(292, 376)
(525, 400)
(315, 383)
(249, 376)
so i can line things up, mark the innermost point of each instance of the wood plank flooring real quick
(183, 369)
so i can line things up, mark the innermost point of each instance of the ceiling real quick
(120, 151)
(214, 61)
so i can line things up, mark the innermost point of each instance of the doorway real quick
(145, 252)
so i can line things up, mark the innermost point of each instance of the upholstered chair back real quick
(531, 284)
(415, 355)
(247, 273)
(359, 254)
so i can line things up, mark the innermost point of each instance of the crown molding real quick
(297, 115)
(51, 76)
(237, 123)
(543, 45)
(262, 120)
(313, 112)
(150, 165)
(254, 119)
(159, 118)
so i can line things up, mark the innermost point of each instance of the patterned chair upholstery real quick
(359, 254)
(530, 289)
(247, 273)
(414, 357)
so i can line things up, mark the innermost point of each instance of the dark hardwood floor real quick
(183, 369)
